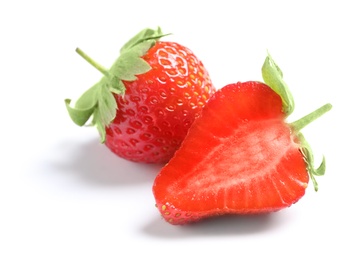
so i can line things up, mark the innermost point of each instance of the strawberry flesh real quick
(239, 157)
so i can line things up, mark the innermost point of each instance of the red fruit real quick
(239, 157)
(158, 89)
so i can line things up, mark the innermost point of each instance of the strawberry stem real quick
(304, 121)
(92, 62)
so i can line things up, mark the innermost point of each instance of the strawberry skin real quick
(158, 108)
(239, 157)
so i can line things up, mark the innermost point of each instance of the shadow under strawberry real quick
(220, 226)
(92, 163)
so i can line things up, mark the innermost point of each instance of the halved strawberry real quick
(146, 102)
(240, 156)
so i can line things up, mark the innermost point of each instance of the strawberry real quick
(146, 102)
(240, 156)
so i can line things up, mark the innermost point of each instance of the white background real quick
(65, 196)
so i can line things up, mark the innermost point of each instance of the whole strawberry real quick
(146, 102)
(240, 156)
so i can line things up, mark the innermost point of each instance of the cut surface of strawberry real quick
(239, 157)
(146, 102)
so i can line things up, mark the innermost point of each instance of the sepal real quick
(273, 77)
(98, 102)
(78, 115)
(309, 159)
(84, 107)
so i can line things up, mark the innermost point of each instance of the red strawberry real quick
(145, 104)
(240, 156)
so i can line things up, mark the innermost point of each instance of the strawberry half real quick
(240, 156)
(146, 102)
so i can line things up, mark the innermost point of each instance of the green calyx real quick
(305, 147)
(273, 77)
(99, 102)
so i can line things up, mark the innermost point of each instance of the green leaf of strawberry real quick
(305, 147)
(143, 35)
(145, 103)
(272, 75)
(239, 157)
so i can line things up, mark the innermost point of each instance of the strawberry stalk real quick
(92, 62)
(304, 121)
